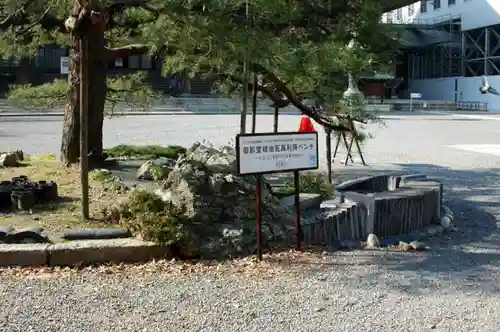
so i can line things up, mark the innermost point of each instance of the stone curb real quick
(84, 252)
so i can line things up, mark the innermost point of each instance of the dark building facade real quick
(45, 66)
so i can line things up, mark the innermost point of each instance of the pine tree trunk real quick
(97, 89)
(70, 145)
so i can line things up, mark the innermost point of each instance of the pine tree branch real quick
(34, 24)
(116, 8)
(295, 100)
(125, 51)
(12, 19)
(290, 98)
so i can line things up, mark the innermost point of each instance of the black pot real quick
(41, 192)
(52, 194)
(22, 200)
(20, 179)
(5, 191)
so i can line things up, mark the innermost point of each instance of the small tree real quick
(298, 49)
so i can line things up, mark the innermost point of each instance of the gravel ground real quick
(452, 287)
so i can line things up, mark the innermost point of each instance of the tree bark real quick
(70, 145)
(97, 86)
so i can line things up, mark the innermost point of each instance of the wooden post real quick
(258, 216)
(254, 103)
(84, 166)
(329, 160)
(244, 99)
(276, 114)
(298, 230)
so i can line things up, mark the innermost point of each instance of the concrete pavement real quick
(453, 287)
(403, 138)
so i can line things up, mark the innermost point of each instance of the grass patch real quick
(66, 213)
(145, 151)
(40, 157)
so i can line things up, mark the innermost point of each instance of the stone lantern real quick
(352, 94)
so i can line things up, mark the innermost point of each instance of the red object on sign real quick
(306, 125)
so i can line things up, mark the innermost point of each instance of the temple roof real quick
(394, 4)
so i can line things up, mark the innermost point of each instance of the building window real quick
(451, 2)
(423, 6)
(436, 4)
(134, 62)
(389, 17)
(411, 10)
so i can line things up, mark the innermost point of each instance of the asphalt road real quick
(420, 138)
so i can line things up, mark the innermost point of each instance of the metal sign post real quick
(329, 159)
(266, 153)
(296, 201)
(414, 96)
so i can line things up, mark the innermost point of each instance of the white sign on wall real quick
(415, 95)
(64, 64)
(276, 152)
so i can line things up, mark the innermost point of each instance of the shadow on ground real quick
(463, 261)
(466, 260)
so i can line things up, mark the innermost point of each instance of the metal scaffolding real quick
(481, 51)
(443, 50)
(438, 52)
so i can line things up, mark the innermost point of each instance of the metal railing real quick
(433, 105)
(412, 20)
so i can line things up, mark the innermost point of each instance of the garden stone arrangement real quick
(385, 210)
(204, 209)
(11, 159)
(155, 169)
(220, 205)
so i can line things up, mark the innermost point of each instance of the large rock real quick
(221, 204)
(155, 169)
(10, 159)
(372, 241)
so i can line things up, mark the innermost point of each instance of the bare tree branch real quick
(125, 51)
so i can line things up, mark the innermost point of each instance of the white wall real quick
(474, 13)
(468, 90)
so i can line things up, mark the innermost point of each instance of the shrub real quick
(164, 229)
(146, 214)
(159, 172)
(310, 182)
(109, 181)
